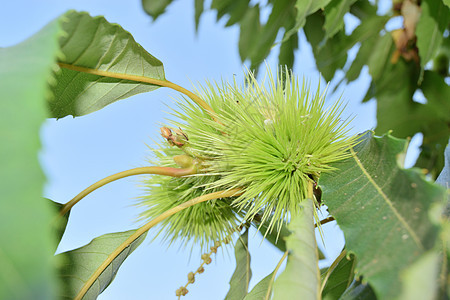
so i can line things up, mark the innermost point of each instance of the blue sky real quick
(78, 152)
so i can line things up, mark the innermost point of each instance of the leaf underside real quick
(301, 275)
(78, 265)
(93, 42)
(242, 274)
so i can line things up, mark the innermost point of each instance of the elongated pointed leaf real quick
(26, 241)
(334, 16)
(80, 264)
(242, 274)
(96, 44)
(330, 56)
(340, 279)
(59, 223)
(155, 8)
(358, 291)
(430, 29)
(300, 279)
(263, 289)
(382, 210)
(198, 12)
(303, 9)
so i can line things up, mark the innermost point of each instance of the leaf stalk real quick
(148, 226)
(144, 79)
(174, 172)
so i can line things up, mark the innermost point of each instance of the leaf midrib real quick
(387, 200)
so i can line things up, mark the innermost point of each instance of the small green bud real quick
(184, 161)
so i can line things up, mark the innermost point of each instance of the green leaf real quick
(367, 33)
(334, 16)
(447, 2)
(198, 12)
(250, 29)
(304, 9)
(287, 49)
(340, 279)
(80, 264)
(95, 44)
(396, 109)
(301, 276)
(330, 56)
(59, 223)
(430, 29)
(379, 60)
(263, 289)
(277, 237)
(363, 55)
(436, 133)
(282, 14)
(363, 9)
(235, 9)
(155, 8)
(242, 274)
(424, 271)
(26, 241)
(437, 93)
(382, 210)
(358, 291)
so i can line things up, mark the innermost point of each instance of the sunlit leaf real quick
(300, 279)
(277, 237)
(26, 241)
(390, 206)
(80, 264)
(96, 44)
(242, 274)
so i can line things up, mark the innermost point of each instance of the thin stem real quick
(326, 220)
(267, 296)
(144, 79)
(146, 227)
(174, 172)
(331, 268)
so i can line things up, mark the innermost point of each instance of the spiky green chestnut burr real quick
(271, 141)
(199, 224)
